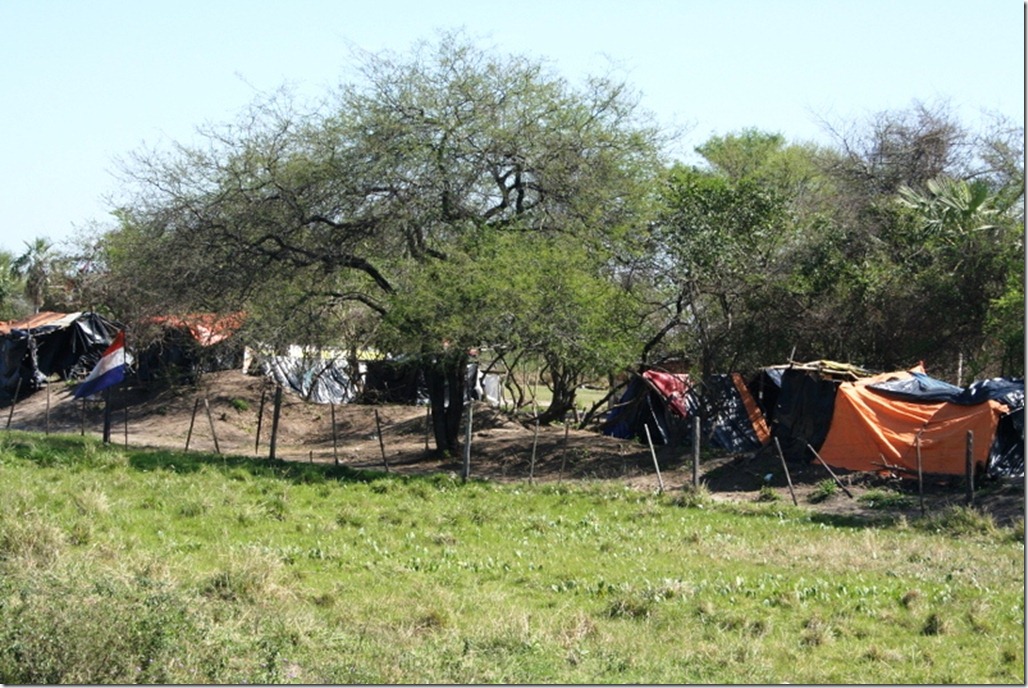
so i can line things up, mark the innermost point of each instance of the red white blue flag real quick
(109, 371)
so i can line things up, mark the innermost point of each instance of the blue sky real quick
(85, 82)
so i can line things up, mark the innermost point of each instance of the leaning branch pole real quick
(653, 453)
(14, 402)
(834, 476)
(785, 467)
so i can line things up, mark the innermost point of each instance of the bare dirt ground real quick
(501, 448)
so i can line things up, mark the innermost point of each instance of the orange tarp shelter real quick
(870, 428)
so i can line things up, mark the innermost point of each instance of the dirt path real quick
(502, 449)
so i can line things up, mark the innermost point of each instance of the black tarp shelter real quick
(66, 345)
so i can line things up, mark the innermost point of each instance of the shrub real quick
(823, 490)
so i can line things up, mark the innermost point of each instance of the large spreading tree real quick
(364, 208)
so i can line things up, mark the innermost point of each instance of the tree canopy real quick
(452, 200)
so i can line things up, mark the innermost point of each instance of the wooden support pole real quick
(276, 413)
(82, 419)
(531, 463)
(107, 416)
(335, 436)
(920, 473)
(428, 425)
(466, 472)
(830, 472)
(653, 454)
(125, 422)
(192, 421)
(14, 402)
(210, 419)
(969, 467)
(785, 467)
(260, 421)
(564, 453)
(695, 451)
(381, 442)
(47, 407)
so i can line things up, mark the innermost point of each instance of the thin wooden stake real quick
(695, 451)
(381, 442)
(192, 420)
(260, 421)
(653, 453)
(274, 422)
(125, 423)
(837, 481)
(428, 425)
(788, 479)
(969, 467)
(210, 419)
(14, 402)
(47, 407)
(531, 464)
(107, 416)
(920, 474)
(82, 419)
(335, 438)
(466, 472)
(564, 454)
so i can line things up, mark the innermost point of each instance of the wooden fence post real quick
(274, 422)
(466, 472)
(696, 451)
(531, 463)
(335, 438)
(192, 420)
(260, 421)
(920, 474)
(969, 467)
(381, 442)
(210, 419)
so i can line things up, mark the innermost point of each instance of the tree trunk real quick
(444, 377)
(565, 383)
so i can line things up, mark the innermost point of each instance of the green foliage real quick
(369, 578)
(823, 490)
(886, 499)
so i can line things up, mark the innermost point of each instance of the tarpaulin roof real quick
(49, 343)
(878, 421)
(43, 319)
(206, 328)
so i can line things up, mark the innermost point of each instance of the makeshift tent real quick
(653, 399)
(881, 421)
(67, 345)
(733, 420)
(189, 345)
(797, 400)
(663, 401)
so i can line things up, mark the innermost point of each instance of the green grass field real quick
(144, 566)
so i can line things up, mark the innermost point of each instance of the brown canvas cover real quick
(870, 429)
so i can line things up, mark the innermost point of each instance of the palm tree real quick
(36, 266)
(952, 208)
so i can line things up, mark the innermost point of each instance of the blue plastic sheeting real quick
(920, 388)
